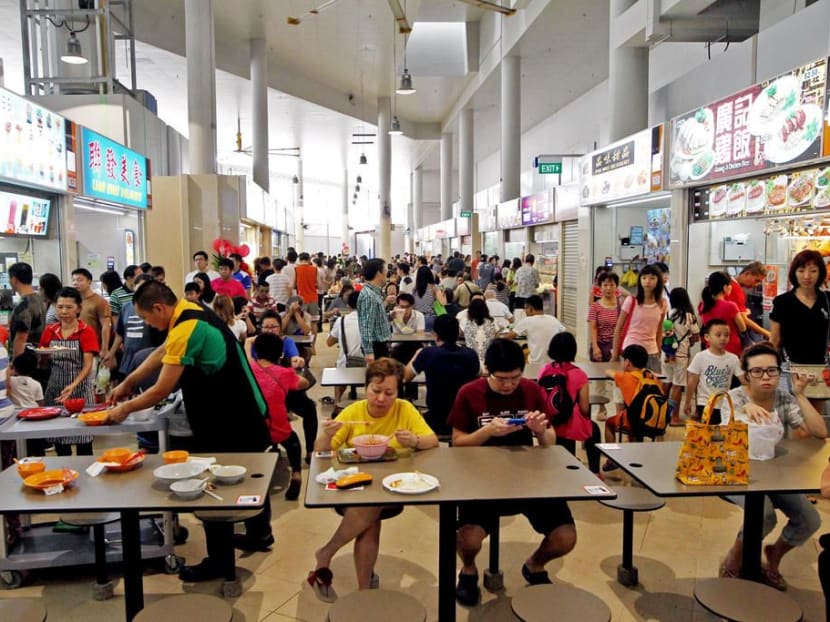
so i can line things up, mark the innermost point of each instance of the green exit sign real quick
(551, 168)
(466, 214)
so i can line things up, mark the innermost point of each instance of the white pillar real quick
(627, 83)
(446, 176)
(384, 178)
(201, 86)
(344, 225)
(259, 113)
(418, 197)
(299, 217)
(511, 127)
(466, 164)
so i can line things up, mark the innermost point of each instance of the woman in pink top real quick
(646, 311)
(715, 306)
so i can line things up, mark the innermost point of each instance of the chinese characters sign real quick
(32, 143)
(612, 159)
(767, 125)
(112, 172)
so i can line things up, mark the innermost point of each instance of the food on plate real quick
(822, 197)
(777, 191)
(718, 195)
(774, 100)
(642, 178)
(801, 189)
(703, 165)
(737, 199)
(754, 197)
(353, 481)
(792, 123)
(823, 178)
(696, 133)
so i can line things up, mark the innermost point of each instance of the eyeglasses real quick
(506, 379)
(270, 328)
(758, 372)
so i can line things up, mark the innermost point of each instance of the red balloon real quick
(217, 244)
(244, 250)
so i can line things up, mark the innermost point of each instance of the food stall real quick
(755, 164)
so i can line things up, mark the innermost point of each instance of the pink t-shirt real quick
(645, 321)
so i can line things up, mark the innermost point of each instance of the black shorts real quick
(544, 515)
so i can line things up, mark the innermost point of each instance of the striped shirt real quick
(118, 298)
(371, 317)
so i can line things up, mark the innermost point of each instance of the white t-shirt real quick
(25, 392)
(239, 329)
(500, 312)
(715, 373)
(404, 287)
(190, 275)
(539, 329)
(352, 337)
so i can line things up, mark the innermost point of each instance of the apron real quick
(66, 365)
(226, 413)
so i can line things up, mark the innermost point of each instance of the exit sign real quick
(466, 214)
(550, 168)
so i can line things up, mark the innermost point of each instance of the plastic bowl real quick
(117, 454)
(74, 404)
(174, 472)
(188, 488)
(98, 417)
(228, 474)
(175, 456)
(27, 467)
(371, 445)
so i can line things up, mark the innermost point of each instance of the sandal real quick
(535, 578)
(327, 400)
(320, 581)
(773, 578)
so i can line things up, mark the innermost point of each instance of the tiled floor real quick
(672, 546)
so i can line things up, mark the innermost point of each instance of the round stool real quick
(377, 606)
(533, 604)
(631, 499)
(221, 522)
(22, 610)
(103, 588)
(739, 600)
(187, 606)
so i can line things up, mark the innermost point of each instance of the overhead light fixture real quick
(354, 196)
(405, 87)
(357, 188)
(363, 159)
(395, 128)
(74, 54)
(359, 179)
(295, 180)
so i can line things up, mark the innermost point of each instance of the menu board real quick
(32, 143)
(627, 168)
(112, 172)
(509, 214)
(775, 123)
(537, 209)
(23, 215)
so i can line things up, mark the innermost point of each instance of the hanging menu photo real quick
(774, 123)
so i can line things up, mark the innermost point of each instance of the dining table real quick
(130, 493)
(463, 474)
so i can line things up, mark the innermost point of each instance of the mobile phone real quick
(323, 454)
(516, 421)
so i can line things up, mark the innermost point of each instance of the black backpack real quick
(647, 412)
(559, 401)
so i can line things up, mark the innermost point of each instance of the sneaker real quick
(205, 570)
(292, 493)
(535, 578)
(467, 592)
(244, 542)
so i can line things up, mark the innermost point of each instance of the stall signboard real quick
(32, 144)
(21, 214)
(774, 124)
(462, 226)
(487, 219)
(537, 209)
(509, 214)
(113, 173)
(627, 168)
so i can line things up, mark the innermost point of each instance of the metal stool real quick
(187, 607)
(103, 588)
(224, 521)
(629, 500)
(739, 600)
(536, 603)
(22, 610)
(377, 606)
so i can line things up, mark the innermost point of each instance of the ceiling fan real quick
(290, 152)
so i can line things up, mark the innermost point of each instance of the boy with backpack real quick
(646, 406)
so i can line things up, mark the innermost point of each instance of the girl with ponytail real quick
(714, 305)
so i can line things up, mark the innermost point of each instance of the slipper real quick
(327, 400)
(725, 573)
(609, 466)
(535, 578)
(320, 581)
(773, 578)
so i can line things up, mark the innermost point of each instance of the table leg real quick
(446, 561)
(131, 545)
(753, 536)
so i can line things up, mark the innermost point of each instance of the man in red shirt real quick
(226, 284)
(751, 277)
(474, 266)
(306, 275)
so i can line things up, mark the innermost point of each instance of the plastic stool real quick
(225, 519)
(629, 500)
(377, 606)
(22, 610)
(187, 607)
(103, 588)
(535, 602)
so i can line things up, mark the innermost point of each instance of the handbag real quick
(818, 374)
(306, 373)
(714, 455)
(351, 361)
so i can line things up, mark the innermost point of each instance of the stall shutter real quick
(569, 280)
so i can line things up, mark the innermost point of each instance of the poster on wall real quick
(770, 287)
(771, 124)
(21, 214)
(129, 246)
(658, 235)
(537, 209)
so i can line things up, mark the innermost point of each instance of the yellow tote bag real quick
(714, 455)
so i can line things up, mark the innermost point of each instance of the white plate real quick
(787, 93)
(182, 470)
(410, 483)
(780, 152)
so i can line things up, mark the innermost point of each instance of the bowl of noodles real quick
(371, 446)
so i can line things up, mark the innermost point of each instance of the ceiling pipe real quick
(397, 11)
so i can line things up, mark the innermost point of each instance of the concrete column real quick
(299, 217)
(466, 164)
(511, 127)
(201, 86)
(259, 113)
(446, 176)
(384, 178)
(627, 83)
(344, 225)
(418, 198)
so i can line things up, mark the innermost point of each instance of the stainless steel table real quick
(302, 340)
(417, 337)
(465, 474)
(351, 376)
(130, 493)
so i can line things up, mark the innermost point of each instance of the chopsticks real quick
(357, 423)
(212, 494)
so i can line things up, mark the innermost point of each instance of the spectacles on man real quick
(275, 327)
(758, 372)
(506, 379)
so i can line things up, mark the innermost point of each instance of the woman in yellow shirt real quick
(388, 416)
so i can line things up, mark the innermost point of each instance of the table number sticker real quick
(249, 500)
(53, 490)
(597, 490)
(609, 446)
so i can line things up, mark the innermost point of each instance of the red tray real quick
(37, 414)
